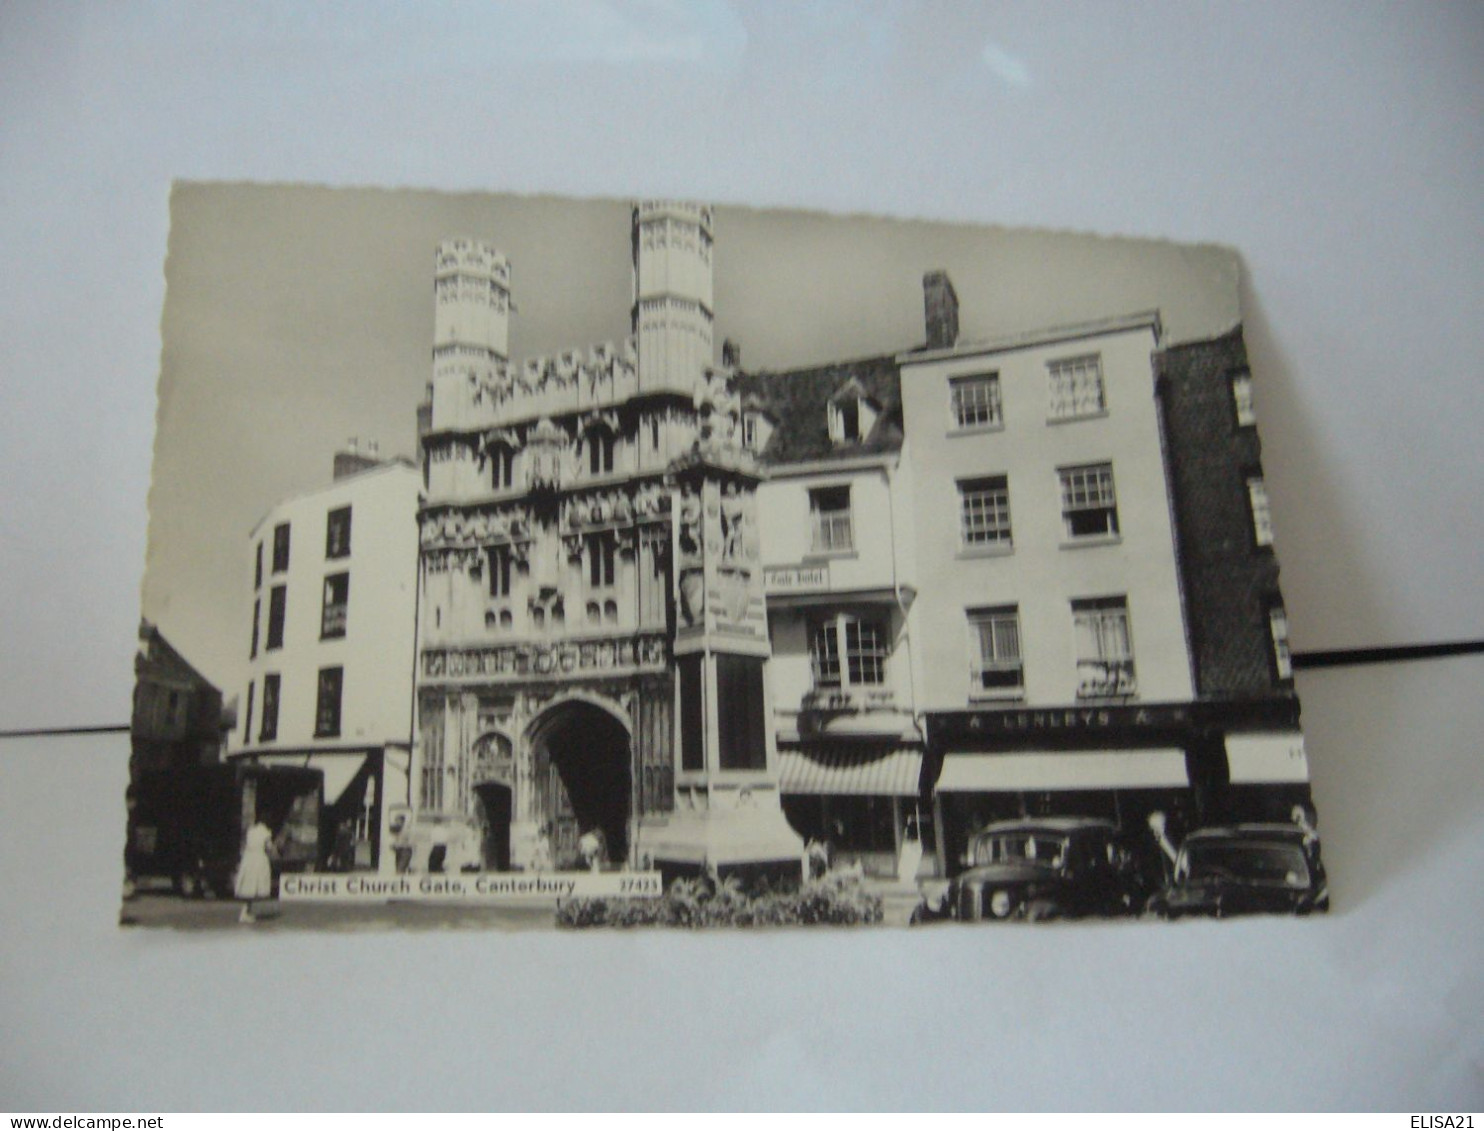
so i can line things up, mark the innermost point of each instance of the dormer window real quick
(757, 430)
(852, 414)
(845, 422)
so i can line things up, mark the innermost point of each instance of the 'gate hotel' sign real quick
(796, 579)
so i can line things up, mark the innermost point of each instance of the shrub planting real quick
(839, 898)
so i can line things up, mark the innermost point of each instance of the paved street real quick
(158, 909)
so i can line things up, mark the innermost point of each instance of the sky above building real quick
(297, 317)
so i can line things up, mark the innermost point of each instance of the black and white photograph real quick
(704, 555)
(543, 562)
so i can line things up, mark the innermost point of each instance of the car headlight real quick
(999, 904)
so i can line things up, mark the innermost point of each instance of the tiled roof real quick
(798, 400)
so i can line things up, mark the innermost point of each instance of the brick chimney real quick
(940, 306)
(351, 459)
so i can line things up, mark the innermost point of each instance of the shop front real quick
(858, 803)
(351, 817)
(1198, 764)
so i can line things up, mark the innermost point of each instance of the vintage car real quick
(1246, 870)
(1047, 868)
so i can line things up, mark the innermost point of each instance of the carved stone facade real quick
(561, 496)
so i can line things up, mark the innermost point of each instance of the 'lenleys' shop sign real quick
(797, 579)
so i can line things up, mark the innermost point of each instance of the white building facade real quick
(840, 569)
(1056, 674)
(329, 673)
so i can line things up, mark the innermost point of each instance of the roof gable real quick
(799, 400)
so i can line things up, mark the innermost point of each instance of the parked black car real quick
(1246, 870)
(1051, 868)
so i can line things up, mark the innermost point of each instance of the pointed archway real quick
(583, 780)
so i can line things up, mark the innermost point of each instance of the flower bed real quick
(837, 899)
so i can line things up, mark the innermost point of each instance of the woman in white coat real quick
(255, 871)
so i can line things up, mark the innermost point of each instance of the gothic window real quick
(499, 567)
(602, 560)
(654, 581)
(502, 467)
(433, 765)
(600, 443)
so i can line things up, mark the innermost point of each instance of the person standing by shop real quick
(255, 870)
(909, 860)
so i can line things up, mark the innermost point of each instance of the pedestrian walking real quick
(255, 870)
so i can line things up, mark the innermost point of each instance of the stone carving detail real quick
(693, 596)
(735, 523)
(486, 526)
(498, 437)
(719, 409)
(550, 452)
(690, 525)
(605, 369)
(620, 654)
(651, 499)
(444, 561)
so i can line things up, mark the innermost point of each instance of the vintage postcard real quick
(542, 562)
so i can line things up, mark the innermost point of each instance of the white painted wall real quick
(1043, 572)
(877, 566)
(376, 651)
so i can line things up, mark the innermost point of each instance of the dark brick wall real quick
(1230, 582)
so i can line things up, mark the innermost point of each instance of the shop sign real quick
(796, 579)
(471, 888)
(1084, 719)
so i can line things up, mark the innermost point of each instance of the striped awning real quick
(893, 772)
(339, 769)
(1091, 769)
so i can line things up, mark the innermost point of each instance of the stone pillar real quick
(728, 816)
